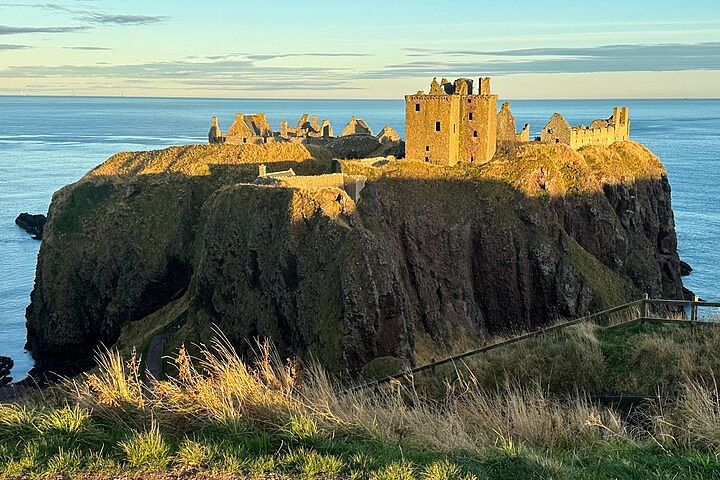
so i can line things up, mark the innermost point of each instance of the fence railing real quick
(646, 309)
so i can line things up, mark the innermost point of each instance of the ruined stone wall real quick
(524, 135)
(505, 124)
(431, 128)
(603, 132)
(600, 132)
(557, 130)
(388, 135)
(356, 126)
(351, 184)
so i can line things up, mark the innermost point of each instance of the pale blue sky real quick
(368, 49)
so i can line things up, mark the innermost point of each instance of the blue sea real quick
(48, 142)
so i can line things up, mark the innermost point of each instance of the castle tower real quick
(448, 128)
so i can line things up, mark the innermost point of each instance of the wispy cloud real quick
(271, 56)
(239, 74)
(5, 46)
(115, 19)
(88, 48)
(663, 57)
(8, 30)
(92, 16)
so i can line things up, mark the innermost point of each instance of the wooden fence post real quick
(694, 310)
(646, 306)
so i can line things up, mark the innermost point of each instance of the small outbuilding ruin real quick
(356, 126)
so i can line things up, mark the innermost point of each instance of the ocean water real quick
(49, 142)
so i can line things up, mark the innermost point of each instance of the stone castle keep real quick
(450, 124)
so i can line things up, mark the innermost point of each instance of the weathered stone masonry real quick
(600, 132)
(451, 124)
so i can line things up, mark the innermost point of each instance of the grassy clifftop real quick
(538, 169)
(193, 160)
(428, 262)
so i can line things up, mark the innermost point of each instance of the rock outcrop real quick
(428, 261)
(6, 365)
(32, 224)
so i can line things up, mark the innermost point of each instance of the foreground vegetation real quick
(219, 417)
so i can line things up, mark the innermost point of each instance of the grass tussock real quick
(219, 416)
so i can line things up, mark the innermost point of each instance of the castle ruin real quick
(356, 126)
(307, 127)
(600, 132)
(448, 125)
(506, 127)
(451, 124)
(255, 129)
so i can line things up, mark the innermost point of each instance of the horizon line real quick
(338, 99)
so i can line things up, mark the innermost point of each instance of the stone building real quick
(356, 126)
(307, 127)
(245, 129)
(600, 132)
(506, 129)
(451, 124)
(388, 135)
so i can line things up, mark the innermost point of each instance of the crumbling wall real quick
(388, 135)
(356, 126)
(557, 130)
(215, 134)
(524, 135)
(505, 124)
(600, 132)
(350, 184)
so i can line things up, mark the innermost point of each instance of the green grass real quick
(80, 202)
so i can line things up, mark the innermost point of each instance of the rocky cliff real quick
(428, 261)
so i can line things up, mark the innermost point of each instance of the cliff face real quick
(428, 261)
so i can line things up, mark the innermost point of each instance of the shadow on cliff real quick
(423, 267)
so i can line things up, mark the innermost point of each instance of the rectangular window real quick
(244, 140)
(469, 100)
(472, 159)
(470, 116)
(437, 126)
(417, 107)
(427, 159)
(454, 126)
(475, 133)
(427, 148)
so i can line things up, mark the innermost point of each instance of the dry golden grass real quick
(536, 169)
(221, 389)
(197, 159)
